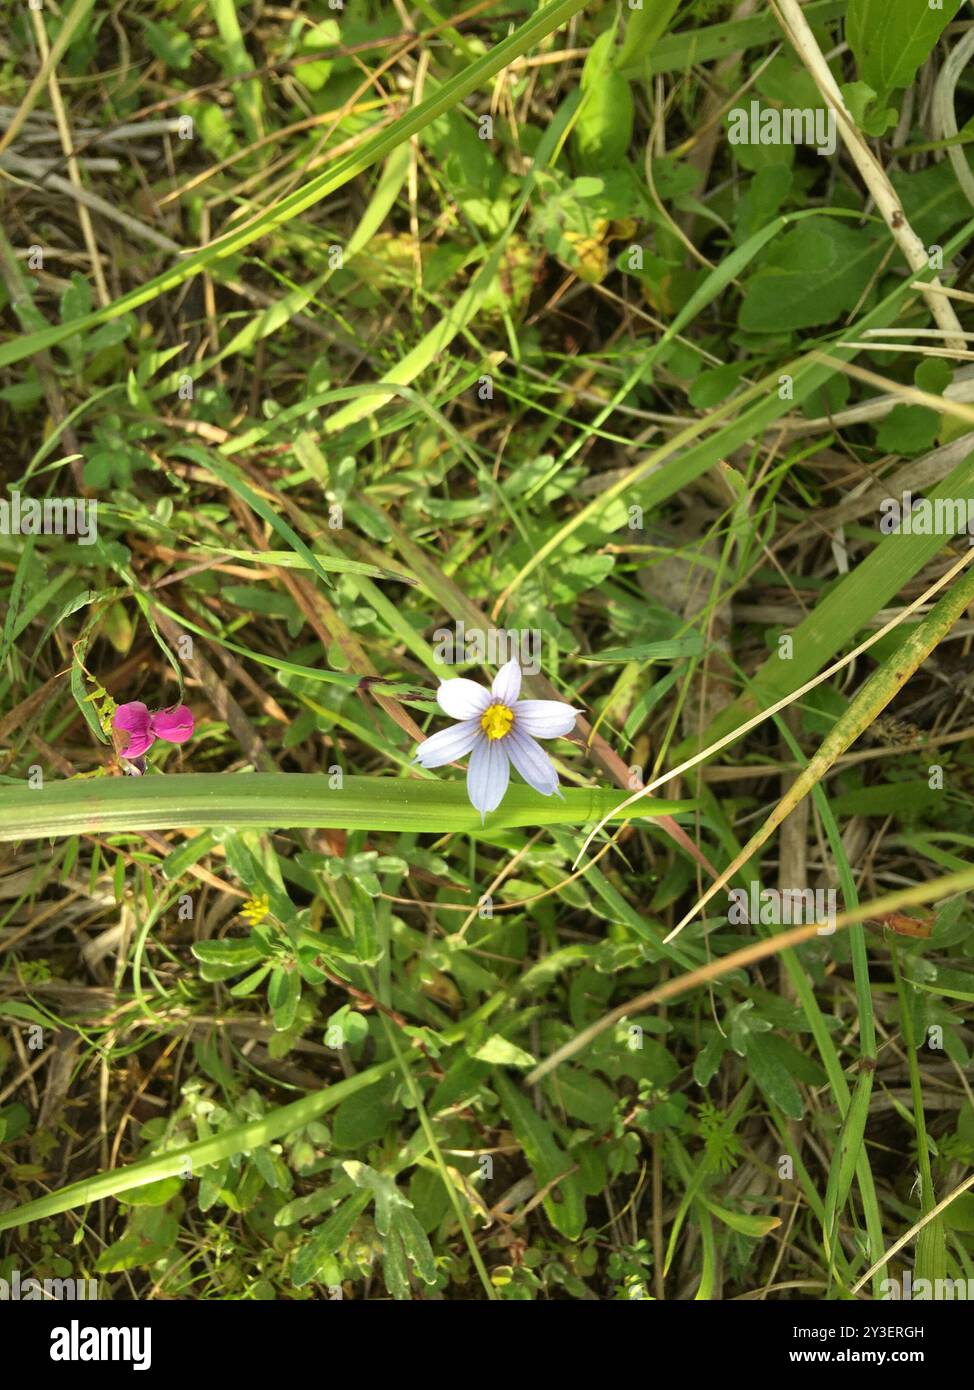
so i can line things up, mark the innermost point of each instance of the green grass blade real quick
(189, 1160)
(378, 147)
(286, 801)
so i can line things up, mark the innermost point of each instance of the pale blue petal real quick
(449, 744)
(545, 718)
(488, 774)
(462, 699)
(532, 762)
(507, 683)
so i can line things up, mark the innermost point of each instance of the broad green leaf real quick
(583, 1096)
(603, 124)
(313, 1204)
(415, 1244)
(151, 1233)
(222, 959)
(500, 1052)
(154, 1194)
(283, 996)
(772, 1076)
(959, 1216)
(711, 42)
(644, 27)
(362, 1119)
(941, 979)
(326, 1239)
(395, 1271)
(809, 277)
(891, 38)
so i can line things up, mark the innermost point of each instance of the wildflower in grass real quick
(497, 729)
(255, 910)
(135, 728)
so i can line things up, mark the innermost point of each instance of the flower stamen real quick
(496, 721)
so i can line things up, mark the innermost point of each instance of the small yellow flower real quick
(255, 910)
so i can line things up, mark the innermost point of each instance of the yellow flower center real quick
(496, 721)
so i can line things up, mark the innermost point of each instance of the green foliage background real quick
(358, 328)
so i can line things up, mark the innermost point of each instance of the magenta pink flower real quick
(136, 728)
